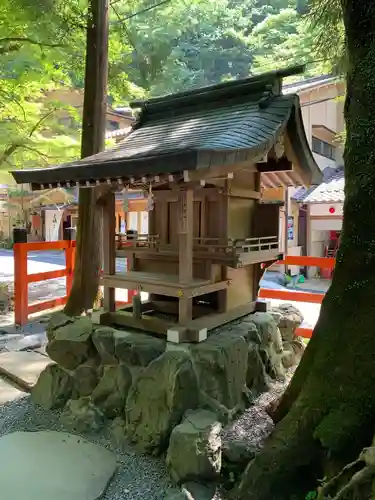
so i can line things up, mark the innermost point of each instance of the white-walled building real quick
(323, 208)
(312, 224)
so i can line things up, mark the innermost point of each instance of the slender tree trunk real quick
(328, 411)
(89, 232)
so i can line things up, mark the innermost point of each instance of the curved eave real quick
(281, 115)
(310, 171)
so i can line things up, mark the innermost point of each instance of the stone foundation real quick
(162, 395)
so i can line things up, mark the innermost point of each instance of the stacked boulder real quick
(160, 396)
(288, 318)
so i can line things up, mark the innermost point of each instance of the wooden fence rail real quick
(294, 296)
(22, 308)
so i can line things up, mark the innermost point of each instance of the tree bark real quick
(328, 411)
(89, 232)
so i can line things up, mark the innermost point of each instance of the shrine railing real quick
(22, 308)
(258, 244)
(140, 241)
(227, 246)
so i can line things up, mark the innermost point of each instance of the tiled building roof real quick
(309, 83)
(120, 133)
(330, 190)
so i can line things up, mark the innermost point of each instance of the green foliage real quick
(327, 27)
(311, 495)
(33, 127)
(29, 70)
(175, 46)
(185, 44)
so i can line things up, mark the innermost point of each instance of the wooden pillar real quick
(164, 218)
(137, 303)
(185, 250)
(308, 238)
(258, 182)
(223, 234)
(286, 208)
(257, 269)
(20, 276)
(139, 221)
(109, 249)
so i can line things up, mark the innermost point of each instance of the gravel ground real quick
(254, 425)
(137, 478)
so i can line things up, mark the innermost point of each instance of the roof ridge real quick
(246, 85)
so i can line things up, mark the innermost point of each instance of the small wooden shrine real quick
(201, 156)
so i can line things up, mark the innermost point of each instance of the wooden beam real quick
(200, 193)
(194, 331)
(266, 179)
(274, 165)
(288, 180)
(146, 323)
(109, 249)
(326, 217)
(221, 172)
(169, 307)
(213, 287)
(276, 179)
(188, 290)
(214, 320)
(244, 193)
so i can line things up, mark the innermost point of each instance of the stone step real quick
(23, 367)
(54, 465)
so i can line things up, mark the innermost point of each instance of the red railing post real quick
(300, 296)
(131, 294)
(20, 276)
(69, 236)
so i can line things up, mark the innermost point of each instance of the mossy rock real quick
(53, 388)
(112, 390)
(71, 345)
(158, 399)
(221, 364)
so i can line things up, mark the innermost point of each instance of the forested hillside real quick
(156, 47)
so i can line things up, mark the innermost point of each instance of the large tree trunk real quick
(88, 254)
(89, 232)
(328, 411)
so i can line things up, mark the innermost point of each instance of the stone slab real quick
(53, 465)
(9, 337)
(28, 342)
(8, 392)
(42, 350)
(23, 367)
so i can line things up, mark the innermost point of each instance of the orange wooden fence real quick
(294, 296)
(22, 309)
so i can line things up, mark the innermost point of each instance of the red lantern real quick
(332, 210)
